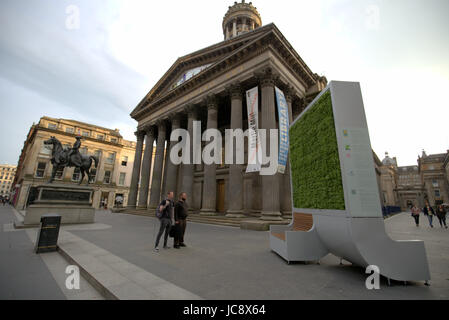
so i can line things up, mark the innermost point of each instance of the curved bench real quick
(297, 241)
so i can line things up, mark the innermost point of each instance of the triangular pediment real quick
(193, 63)
(207, 62)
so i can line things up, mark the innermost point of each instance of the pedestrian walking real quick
(429, 212)
(166, 220)
(415, 214)
(181, 213)
(441, 215)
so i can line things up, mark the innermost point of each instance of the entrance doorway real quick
(221, 196)
(104, 200)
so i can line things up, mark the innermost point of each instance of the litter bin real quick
(47, 236)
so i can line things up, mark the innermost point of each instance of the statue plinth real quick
(72, 202)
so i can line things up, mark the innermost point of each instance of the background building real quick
(7, 174)
(434, 177)
(110, 179)
(408, 185)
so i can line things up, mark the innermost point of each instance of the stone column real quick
(235, 185)
(187, 169)
(270, 183)
(234, 28)
(132, 199)
(286, 203)
(210, 179)
(146, 167)
(172, 169)
(155, 192)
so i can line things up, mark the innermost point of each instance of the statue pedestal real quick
(72, 202)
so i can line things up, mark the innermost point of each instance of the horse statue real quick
(69, 157)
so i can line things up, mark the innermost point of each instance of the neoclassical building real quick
(209, 85)
(110, 179)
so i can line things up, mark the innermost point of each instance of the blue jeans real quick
(430, 219)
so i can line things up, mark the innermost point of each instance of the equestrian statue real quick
(69, 157)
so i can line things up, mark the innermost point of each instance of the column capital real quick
(266, 77)
(148, 126)
(212, 101)
(173, 116)
(235, 90)
(161, 124)
(190, 109)
(289, 93)
(140, 134)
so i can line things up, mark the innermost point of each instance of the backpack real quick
(158, 212)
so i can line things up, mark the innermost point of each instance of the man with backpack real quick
(165, 214)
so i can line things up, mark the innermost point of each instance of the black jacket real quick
(426, 211)
(181, 210)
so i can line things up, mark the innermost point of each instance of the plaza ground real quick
(219, 262)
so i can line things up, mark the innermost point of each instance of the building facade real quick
(410, 190)
(110, 179)
(412, 185)
(7, 174)
(434, 177)
(209, 86)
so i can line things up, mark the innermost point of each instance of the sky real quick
(94, 60)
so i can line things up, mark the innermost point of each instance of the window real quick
(435, 183)
(40, 169)
(124, 161)
(107, 177)
(76, 174)
(114, 140)
(121, 180)
(110, 159)
(92, 175)
(59, 173)
(45, 149)
(437, 193)
(97, 154)
(100, 136)
(85, 133)
(69, 130)
(52, 126)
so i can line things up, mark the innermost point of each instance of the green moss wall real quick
(315, 166)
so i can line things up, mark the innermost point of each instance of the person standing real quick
(415, 214)
(429, 212)
(181, 213)
(441, 214)
(166, 220)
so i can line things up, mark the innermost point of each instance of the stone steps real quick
(248, 222)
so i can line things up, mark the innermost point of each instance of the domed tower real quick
(240, 18)
(387, 161)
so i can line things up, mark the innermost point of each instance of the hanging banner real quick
(254, 148)
(283, 130)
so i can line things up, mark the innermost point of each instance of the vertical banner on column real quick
(283, 130)
(254, 148)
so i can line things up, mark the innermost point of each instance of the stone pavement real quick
(116, 255)
(26, 275)
(229, 263)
